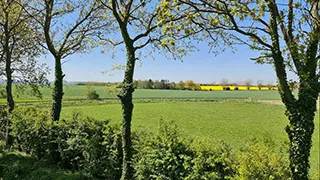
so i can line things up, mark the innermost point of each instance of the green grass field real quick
(236, 122)
(74, 92)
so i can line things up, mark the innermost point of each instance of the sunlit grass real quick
(235, 123)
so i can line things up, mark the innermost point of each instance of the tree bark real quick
(301, 126)
(10, 101)
(127, 107)
(301, 114)
(57, 96)
(57, 93)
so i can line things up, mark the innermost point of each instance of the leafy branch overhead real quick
(69, 26)
(146, 26)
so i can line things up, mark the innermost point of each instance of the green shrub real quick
(3, 93)
(91, 93)
(262, 160)
(3, 122)
(84, 144)
(31, 128)
(22, 166)
(164, 156)
(103, 154)
(94, 147)
(212, 161)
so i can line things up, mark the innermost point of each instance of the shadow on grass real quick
(23, 167)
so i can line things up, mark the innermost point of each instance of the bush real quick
(262, 160)
(84, 144)
(103, 154)
(3, 121)
(31, 128)
(3, 93)
(164, 156)
(212, 161)
(94, 148)
(92, 94)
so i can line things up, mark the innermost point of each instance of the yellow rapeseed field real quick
(221, 88)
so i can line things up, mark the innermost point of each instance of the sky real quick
(200, 66)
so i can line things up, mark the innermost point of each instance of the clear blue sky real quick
(201, 66)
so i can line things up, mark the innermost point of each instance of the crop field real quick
(234, 122)
(74, 92)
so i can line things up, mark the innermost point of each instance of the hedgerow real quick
(93, 148)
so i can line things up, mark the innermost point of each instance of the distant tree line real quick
(150, 84)
(166, 84)
(185, 85)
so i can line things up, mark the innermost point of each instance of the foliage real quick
(91, 93)
(163, 156)
(22, 166)
(212, 161)
(261, 160)
(181, 85)
(3, 93)
(31, 128)
(167, 156)
(94, 148)
(3, 121)
(231, 121)
(103, 154)
(84, 144)
(293, 84)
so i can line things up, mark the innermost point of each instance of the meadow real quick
(234, 117)
(236, 122)
(76, 92)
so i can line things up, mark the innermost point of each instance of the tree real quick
(150, 84)
(197, 87)
(259, 84)
(142, 84)
(224, 82)
(18, 51)
(172, 86)
(165, 83)
(248, 83)
(270, 85)
(64, 38)
(158, 84)
(181, 85)
(287, 35)
(189, 84)
(146, 21)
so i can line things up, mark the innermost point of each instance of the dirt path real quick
(278, 102)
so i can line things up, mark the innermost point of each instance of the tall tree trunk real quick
(10, 101)
(57, 96)
(127, 107)
(57, 93)
(301, 128)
